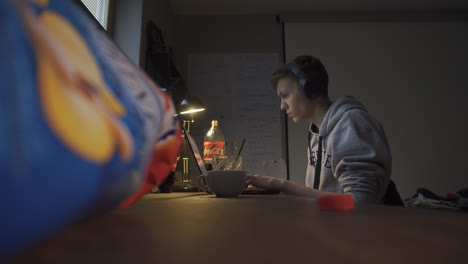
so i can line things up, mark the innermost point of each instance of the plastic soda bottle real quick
(213, 145)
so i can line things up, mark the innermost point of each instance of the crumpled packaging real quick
(82, 129)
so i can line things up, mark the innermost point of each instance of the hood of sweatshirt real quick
(337, 109)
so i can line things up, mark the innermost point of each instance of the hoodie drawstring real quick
(318, 165)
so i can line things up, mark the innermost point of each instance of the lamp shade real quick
(190, 104)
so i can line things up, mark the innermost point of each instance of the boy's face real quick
(293, 102)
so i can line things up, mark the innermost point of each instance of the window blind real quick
(99, 9)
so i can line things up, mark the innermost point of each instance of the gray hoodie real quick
(356, 156)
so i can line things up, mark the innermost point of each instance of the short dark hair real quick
(307, 64)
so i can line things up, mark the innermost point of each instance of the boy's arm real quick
(285, 186)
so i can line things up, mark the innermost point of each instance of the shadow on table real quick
(102, 239)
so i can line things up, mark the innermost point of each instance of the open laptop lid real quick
(196, 153)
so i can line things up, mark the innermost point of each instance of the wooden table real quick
(200, 228)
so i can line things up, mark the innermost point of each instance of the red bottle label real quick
(213, 148)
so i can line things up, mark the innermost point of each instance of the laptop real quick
(196, 154)
(204, 171)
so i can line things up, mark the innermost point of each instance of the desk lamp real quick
(188, 106)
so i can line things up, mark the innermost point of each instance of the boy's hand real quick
(265, 182)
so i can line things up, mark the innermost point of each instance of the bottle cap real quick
(338, 202)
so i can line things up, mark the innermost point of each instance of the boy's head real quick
(309, 73)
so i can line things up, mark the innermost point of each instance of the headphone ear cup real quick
(303, 86)
(312, 86)
(308, 88)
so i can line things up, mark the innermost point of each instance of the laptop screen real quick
(196, 153)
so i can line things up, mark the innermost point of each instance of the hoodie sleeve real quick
(361, 156)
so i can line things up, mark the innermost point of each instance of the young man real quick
(348, 150)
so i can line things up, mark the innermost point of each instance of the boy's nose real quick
(283, 106)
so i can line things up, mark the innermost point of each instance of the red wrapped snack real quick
(336, 202)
